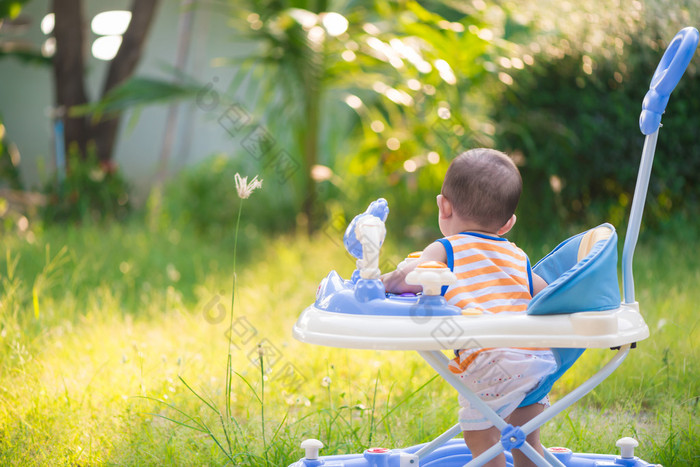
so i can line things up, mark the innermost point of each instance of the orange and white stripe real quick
(492, 274)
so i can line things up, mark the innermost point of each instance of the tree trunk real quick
(310, 159)
(68, 69)
(313, 85)
(121, 68)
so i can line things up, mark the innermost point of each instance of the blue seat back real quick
(588, 284)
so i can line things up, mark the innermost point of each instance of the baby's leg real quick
(519, 417)
(481, 440)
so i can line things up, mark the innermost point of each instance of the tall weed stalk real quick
(228, 439)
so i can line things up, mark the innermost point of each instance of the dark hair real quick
(483, 185)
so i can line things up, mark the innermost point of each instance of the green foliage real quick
(285, 38)
(91, 190)
(387, 92)
(553, 83)
(12, 47)
(11, 8)
(571, 119)
(204, 198)
(423, 103)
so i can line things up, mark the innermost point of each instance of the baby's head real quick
(483, 186)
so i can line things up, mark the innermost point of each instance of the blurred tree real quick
(69, 71)
(407, 71)
(425, 92)
(290, 63)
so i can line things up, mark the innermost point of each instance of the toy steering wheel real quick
(669, 71)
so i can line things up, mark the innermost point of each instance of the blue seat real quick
(582, 276)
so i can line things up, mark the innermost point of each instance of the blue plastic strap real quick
(448, 251)
(450, 259)
(669, 71)
(486, 236)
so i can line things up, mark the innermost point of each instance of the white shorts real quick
(501, 378)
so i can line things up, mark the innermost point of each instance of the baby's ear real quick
(444, 207)
(507, 226)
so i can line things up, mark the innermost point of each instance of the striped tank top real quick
(493, 274)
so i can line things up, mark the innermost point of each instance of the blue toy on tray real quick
(580, 308)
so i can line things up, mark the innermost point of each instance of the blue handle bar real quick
(671, 67)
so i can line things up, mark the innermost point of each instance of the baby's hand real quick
(395, 281)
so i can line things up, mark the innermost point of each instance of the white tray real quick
(597, 329)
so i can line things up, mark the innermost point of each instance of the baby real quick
(476, 207)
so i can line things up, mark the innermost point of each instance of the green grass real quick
(102, 330)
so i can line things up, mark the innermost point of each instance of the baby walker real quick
(579, 309)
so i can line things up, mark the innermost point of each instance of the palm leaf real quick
(136, 92)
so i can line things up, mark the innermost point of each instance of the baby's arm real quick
(395, 281)
(537, 284)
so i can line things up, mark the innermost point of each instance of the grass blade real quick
(251, 387)
(274, 435)
(177, 422)
(198, 396)
(405, 399)
(172, 407)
